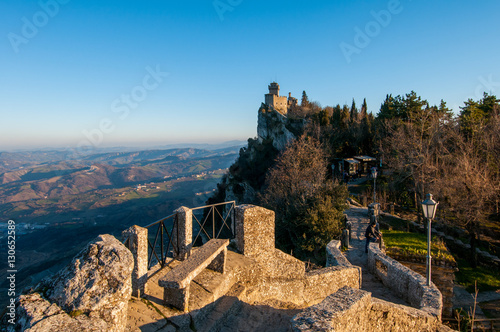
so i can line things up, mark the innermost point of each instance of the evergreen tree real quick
(364, 109)
(336, 116)
(344, 118)
(305, 100)
(475, 114)
(388, 108)
(353, 117)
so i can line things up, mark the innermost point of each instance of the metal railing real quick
(160, 232)
(219, 215)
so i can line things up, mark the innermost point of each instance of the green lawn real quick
(415, 244)
(486, 277)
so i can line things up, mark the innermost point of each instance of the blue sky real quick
(197, 71)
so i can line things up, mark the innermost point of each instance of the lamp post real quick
(374, 175)
(429, 206)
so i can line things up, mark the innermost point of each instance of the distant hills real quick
(60, 201)
(52, 175)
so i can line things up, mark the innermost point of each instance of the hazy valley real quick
(60, 202)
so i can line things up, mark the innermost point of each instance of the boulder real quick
(39, 315)
(95, 286)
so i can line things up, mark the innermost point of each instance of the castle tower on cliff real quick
(274, 100)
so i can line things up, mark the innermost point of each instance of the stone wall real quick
(311, 288)
(272, 274)
(407, 284)
(279, 103)
(334, 257)
(282, 276)
(351, 309)
(443, 278)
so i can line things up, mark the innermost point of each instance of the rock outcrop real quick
(37, 314)
(271, 124)
(90, 294)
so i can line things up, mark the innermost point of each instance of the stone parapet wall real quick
(443, 278)
(313, 287)
(282, 276)
(278, 264)
(351, 309)
(334, 257)
(320, 283)
(407, 284)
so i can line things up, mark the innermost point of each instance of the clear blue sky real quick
(67, 66)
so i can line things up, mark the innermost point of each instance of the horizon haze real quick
(124, 73)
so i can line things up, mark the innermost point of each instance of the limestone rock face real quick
(39, 315)
(248, 193)
(95, 286)
(273, 125)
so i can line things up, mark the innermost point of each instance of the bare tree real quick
(470, 187)
(308, 210)
(417, 149)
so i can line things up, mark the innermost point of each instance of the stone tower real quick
(274, 100)
(274, 88)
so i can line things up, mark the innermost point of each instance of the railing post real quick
(184, 230)
(138, 244)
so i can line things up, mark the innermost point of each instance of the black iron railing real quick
(213, 221)
(162, 233)
(210, 222)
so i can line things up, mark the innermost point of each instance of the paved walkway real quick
(358, 217)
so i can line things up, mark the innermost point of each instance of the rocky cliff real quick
(278, 128)
(90, 294)
(247, 175)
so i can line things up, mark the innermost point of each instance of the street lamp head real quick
(429, 206)
(374, 172)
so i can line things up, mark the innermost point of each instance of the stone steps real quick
(214, 316)
(236, 312)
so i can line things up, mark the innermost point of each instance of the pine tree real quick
(305, 101)
(354, 112)
(364, 109)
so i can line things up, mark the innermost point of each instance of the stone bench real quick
(176, 283)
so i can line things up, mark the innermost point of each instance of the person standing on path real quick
(372, 234)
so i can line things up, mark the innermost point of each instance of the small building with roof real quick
(366, 162)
